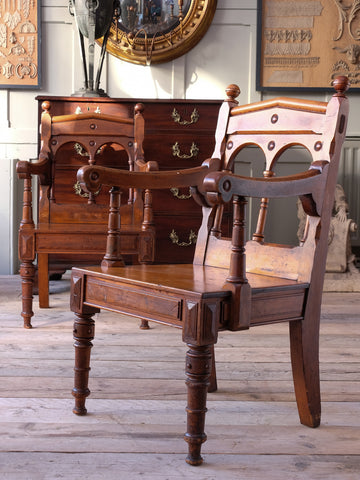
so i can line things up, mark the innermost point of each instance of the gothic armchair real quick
(232, 283)
(71, 227)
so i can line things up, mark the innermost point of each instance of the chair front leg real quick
(84, 329)
(27, 249)
(198, 370)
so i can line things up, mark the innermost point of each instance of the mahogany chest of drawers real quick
(178, 134)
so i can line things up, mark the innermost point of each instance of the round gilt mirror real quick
(155, 31)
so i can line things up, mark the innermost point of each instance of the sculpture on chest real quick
(93, 20)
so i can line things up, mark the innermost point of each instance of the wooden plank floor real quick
(136, 417)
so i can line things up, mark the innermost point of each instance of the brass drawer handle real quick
(194, 150)
(177, 117)
(175, 239)
(81, 193)
(181, 196)
(80, 150)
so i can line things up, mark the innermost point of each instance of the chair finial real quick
(139, 108)
(341, 84)
(46, 106)
(232, 91)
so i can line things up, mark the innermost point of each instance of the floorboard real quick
(136, 417)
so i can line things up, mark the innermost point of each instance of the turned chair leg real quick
(84, 329)
(27, 249)
(304, 343)
(27, 274)
(198, 369)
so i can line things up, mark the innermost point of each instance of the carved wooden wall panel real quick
(306, 43)
(19, 44)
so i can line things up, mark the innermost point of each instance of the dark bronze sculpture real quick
(93, 20)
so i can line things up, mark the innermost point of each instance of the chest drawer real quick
(175, 201)
(176, 238)
(181, 116)
(178, 150)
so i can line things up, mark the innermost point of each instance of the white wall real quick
(227, 54)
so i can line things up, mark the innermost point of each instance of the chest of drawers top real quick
(159, 113)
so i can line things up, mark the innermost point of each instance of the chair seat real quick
(155, 287)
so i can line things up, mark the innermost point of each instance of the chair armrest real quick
(92, 176)
(25, 169)
(305, 184)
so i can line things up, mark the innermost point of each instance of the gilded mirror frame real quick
(138, 47)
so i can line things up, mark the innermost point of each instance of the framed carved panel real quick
(304, 44)
(20, 43)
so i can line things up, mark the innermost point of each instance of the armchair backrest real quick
(274, 126)
(71, 141)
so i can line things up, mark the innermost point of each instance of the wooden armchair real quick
(72, 225)
(231, 284)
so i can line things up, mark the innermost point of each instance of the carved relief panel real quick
(19, 44)
(306, 43)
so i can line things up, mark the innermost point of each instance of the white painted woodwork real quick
(226, 54)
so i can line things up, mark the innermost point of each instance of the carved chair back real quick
(274, 126)
(72, 224)
(70, 141)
